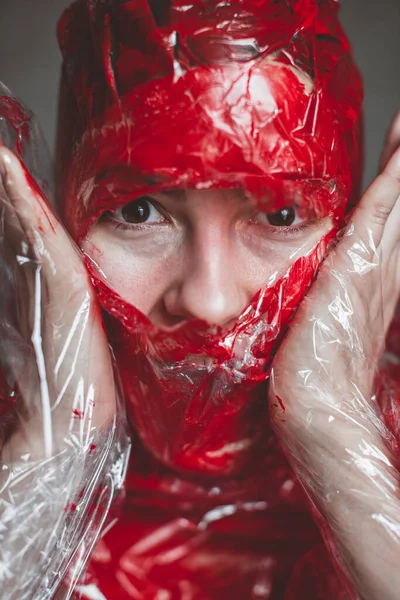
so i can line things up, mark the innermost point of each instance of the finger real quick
(371, 216)
(24, 195)
(59, 258)
(392, 141)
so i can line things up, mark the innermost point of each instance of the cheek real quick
(141, 280)
(257, 271)
(264, 261)
(141, 272)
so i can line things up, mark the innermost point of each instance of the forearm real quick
(347, 470)
(52, 508)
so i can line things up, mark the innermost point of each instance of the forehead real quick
(220, 127)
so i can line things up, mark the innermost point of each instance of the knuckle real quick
(380, 213)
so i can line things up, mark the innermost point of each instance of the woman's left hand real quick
(322, 399)
(64, 459)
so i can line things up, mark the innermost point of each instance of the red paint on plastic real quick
(19, 119)
(78, 413)
(281, 403)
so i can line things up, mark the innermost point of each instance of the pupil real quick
(136, 212)
(283, 217)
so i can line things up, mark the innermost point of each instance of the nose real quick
(210, 287)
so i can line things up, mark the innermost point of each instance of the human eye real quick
(286, 221)
(142, 211)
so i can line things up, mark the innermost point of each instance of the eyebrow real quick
(180, 194)
(176, 194)
(129, 173)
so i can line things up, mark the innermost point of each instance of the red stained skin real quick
(263, 96)
(19, 119)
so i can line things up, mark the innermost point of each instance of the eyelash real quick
(285, 231)
(292, 230)
(120, 225)
(130, 226)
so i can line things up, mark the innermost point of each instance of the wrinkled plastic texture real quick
(64, 446)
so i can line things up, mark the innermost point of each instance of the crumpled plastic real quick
(63, 457)
(262, 97)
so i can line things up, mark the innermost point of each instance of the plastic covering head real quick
(258, 96)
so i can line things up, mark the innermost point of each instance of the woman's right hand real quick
(59, 465)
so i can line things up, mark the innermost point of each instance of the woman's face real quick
(197, 254)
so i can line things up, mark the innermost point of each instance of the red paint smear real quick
(282, 405)
(19, 118)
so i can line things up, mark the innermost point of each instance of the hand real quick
(59, 359)
(322, 399)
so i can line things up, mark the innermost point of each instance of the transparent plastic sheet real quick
(63, 433)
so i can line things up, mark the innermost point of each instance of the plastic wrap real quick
(64, 445)
(209, 162)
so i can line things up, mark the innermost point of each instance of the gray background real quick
(29, 60)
